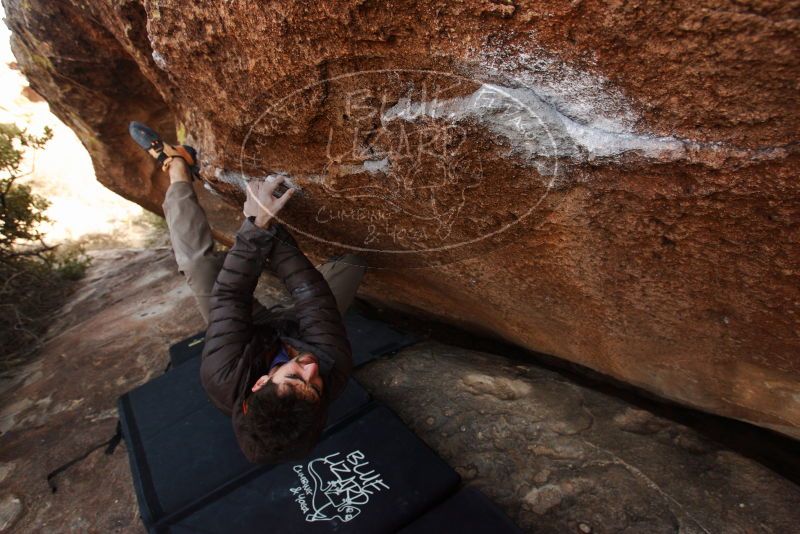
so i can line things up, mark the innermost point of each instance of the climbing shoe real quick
(149, 140)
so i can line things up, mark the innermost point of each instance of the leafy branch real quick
(34, 275)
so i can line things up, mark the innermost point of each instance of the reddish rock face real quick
(611, 183)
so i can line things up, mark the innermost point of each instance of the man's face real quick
(299, 376)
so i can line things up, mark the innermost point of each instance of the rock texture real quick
(111, 336)
(612, 183)
(558, 456)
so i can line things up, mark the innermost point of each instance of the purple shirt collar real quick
(280, 358)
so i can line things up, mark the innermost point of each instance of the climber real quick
(273, 371)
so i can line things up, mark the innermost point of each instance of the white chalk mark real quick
(532, 126)
(380, 166)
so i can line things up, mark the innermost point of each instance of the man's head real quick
(298, 377)
(284, 416)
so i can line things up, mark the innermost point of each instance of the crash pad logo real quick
(336, 487)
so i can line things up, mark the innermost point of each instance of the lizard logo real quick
(336, 487)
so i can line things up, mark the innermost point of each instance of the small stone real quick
(10, 508)
(5, 469)
(467, 473)
(542, 476)
(540, 500)
(583, 527)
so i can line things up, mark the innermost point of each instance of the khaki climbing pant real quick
(194, 252)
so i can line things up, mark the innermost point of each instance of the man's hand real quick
(261, 204)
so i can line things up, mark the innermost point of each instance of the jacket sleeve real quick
(223, 369)
(320, 324)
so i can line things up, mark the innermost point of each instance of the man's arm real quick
(322, 331)
(230, 327)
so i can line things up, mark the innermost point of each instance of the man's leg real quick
(191, 235)
(343, 275)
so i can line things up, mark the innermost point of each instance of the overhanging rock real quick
(613, 185)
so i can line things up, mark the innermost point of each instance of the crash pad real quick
(182, 447)
(372, 475)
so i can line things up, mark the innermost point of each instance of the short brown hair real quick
(277, 428)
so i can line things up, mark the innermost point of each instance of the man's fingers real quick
(271, 185)
(261, 199)
(279, 203)
(253, 189)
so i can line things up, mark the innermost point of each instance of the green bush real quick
(35, 277)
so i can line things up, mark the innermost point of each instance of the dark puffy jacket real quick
(243, 337)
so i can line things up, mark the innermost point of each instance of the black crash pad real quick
(369, 339)
(468, 511)
(185, 350)
(370, 475)
(181, 447)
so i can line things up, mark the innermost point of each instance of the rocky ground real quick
(561, 457)
(556, 451)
